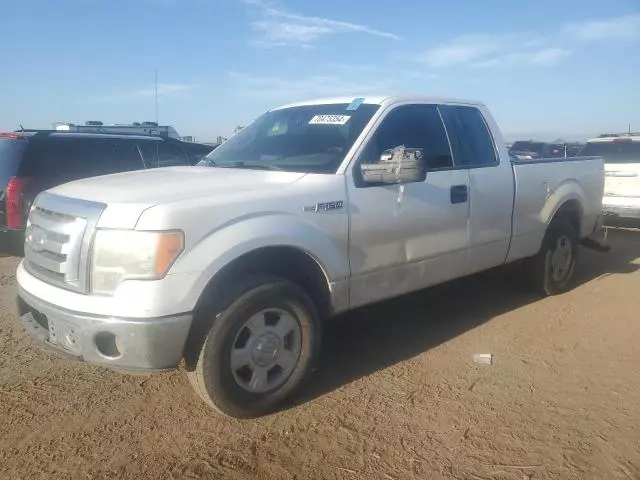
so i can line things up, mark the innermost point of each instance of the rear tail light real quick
(13, 202)
(16, 136)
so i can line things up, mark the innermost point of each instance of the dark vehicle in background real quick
(197, 151)
(573, 149)
(556, 150)
(565, 150)
(32, 161)
(531, 150)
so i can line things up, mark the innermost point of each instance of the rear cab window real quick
(171, 154)
(59, 159)
(196, 152)
(614, 151)
(163, 154)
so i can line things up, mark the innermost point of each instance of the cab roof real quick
(27, 134)
(627, 137)
(382, 100)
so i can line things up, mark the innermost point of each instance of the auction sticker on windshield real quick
(329, 120)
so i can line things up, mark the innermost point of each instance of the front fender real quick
(328, 246)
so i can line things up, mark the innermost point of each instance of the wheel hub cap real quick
(561, 259)
(265, 349)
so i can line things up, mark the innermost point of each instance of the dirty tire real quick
(551, 270)
(209, 361)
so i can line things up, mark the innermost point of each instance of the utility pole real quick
(156, 95)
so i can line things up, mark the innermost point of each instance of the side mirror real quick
(398, 165)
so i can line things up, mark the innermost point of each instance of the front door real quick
(407, 237)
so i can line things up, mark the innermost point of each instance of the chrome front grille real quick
(52, 244)
(58, 238)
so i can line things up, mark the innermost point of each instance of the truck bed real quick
(541, 186)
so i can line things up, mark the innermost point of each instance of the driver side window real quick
(414, 126)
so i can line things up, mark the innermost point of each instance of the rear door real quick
(11, 153)
(491, 188)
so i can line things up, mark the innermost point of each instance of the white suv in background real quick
(621, 152)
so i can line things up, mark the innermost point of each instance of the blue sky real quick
(545, 68)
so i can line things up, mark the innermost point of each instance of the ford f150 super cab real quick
(314, 209)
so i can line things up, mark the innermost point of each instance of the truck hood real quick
(164, 185)
(127, 195)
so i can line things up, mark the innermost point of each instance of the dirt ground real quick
(396, 396)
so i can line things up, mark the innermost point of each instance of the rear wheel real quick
(552, 268)
(258, 349)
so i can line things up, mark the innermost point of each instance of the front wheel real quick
(553, 267)
(258, 349)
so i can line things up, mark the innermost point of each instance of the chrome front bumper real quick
(120, 343)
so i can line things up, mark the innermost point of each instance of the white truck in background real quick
(314, 209)
(621, 153)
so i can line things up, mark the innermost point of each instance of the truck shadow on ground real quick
(375, 337)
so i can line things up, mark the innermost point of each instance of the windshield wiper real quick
(249, 165)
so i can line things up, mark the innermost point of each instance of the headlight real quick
(120, 255)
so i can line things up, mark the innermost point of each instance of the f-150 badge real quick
(325, 206)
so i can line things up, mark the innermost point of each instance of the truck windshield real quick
(627, 151)
(308, 139)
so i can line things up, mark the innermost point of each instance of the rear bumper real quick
(621, 210)
(120, 343)
(625, 207)
(11, 242)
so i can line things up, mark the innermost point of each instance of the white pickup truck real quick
(621, 153)
(315, 208)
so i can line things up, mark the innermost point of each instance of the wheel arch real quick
(571, 211)
(568, 201)
(283, 261)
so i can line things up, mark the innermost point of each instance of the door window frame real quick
(353, 160)
(369, 135)
(496, 152)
